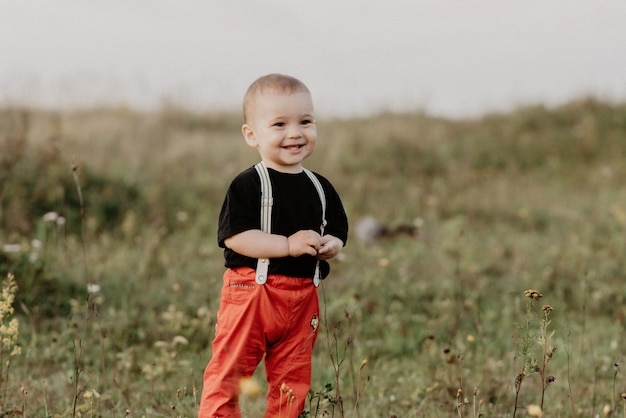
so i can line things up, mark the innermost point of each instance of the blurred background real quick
(452, 58)
(479, 148)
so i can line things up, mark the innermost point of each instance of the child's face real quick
(282, 127)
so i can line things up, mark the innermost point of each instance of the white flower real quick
(50, 217)
(93, 288)
(12, 248)
(179, 339)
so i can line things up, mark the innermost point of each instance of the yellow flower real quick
(9, 329)
(250, 387)
(532, 294)
(535, 411)
(546, 308)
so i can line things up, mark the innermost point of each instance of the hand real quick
(331, 246)
(304, 242)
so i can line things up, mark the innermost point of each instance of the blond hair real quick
(284, 84)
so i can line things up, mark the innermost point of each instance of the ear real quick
(248, 135)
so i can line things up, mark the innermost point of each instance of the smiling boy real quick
(278, 318)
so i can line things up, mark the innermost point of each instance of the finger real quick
(315, 243)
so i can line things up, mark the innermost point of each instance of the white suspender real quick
(266, 217)
(320, 191)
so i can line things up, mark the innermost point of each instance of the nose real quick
(295, 132)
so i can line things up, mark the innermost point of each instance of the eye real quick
(306, 122)
(279, 124)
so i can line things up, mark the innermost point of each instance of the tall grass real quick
(533, 199)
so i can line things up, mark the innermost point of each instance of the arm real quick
(258, 244)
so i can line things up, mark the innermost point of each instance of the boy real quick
(279, 318)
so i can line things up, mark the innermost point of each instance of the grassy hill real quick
(108, 222)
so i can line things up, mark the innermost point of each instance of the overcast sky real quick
(449, 57)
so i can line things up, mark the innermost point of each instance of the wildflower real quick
(546, 308)
(179, 339)
(12, 248)
(91, 394)
(50, 217)
(9, 331)
(535, 411)
(9, 328)
(532, 294)
(250, 387)
(93, 288)
(9, 287)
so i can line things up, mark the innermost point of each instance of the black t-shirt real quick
(296, 207)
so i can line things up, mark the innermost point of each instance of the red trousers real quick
(278, 320)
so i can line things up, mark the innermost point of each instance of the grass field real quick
(108, 225)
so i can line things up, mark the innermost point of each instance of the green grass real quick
(533, 199)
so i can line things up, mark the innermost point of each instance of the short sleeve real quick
(241, 208)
